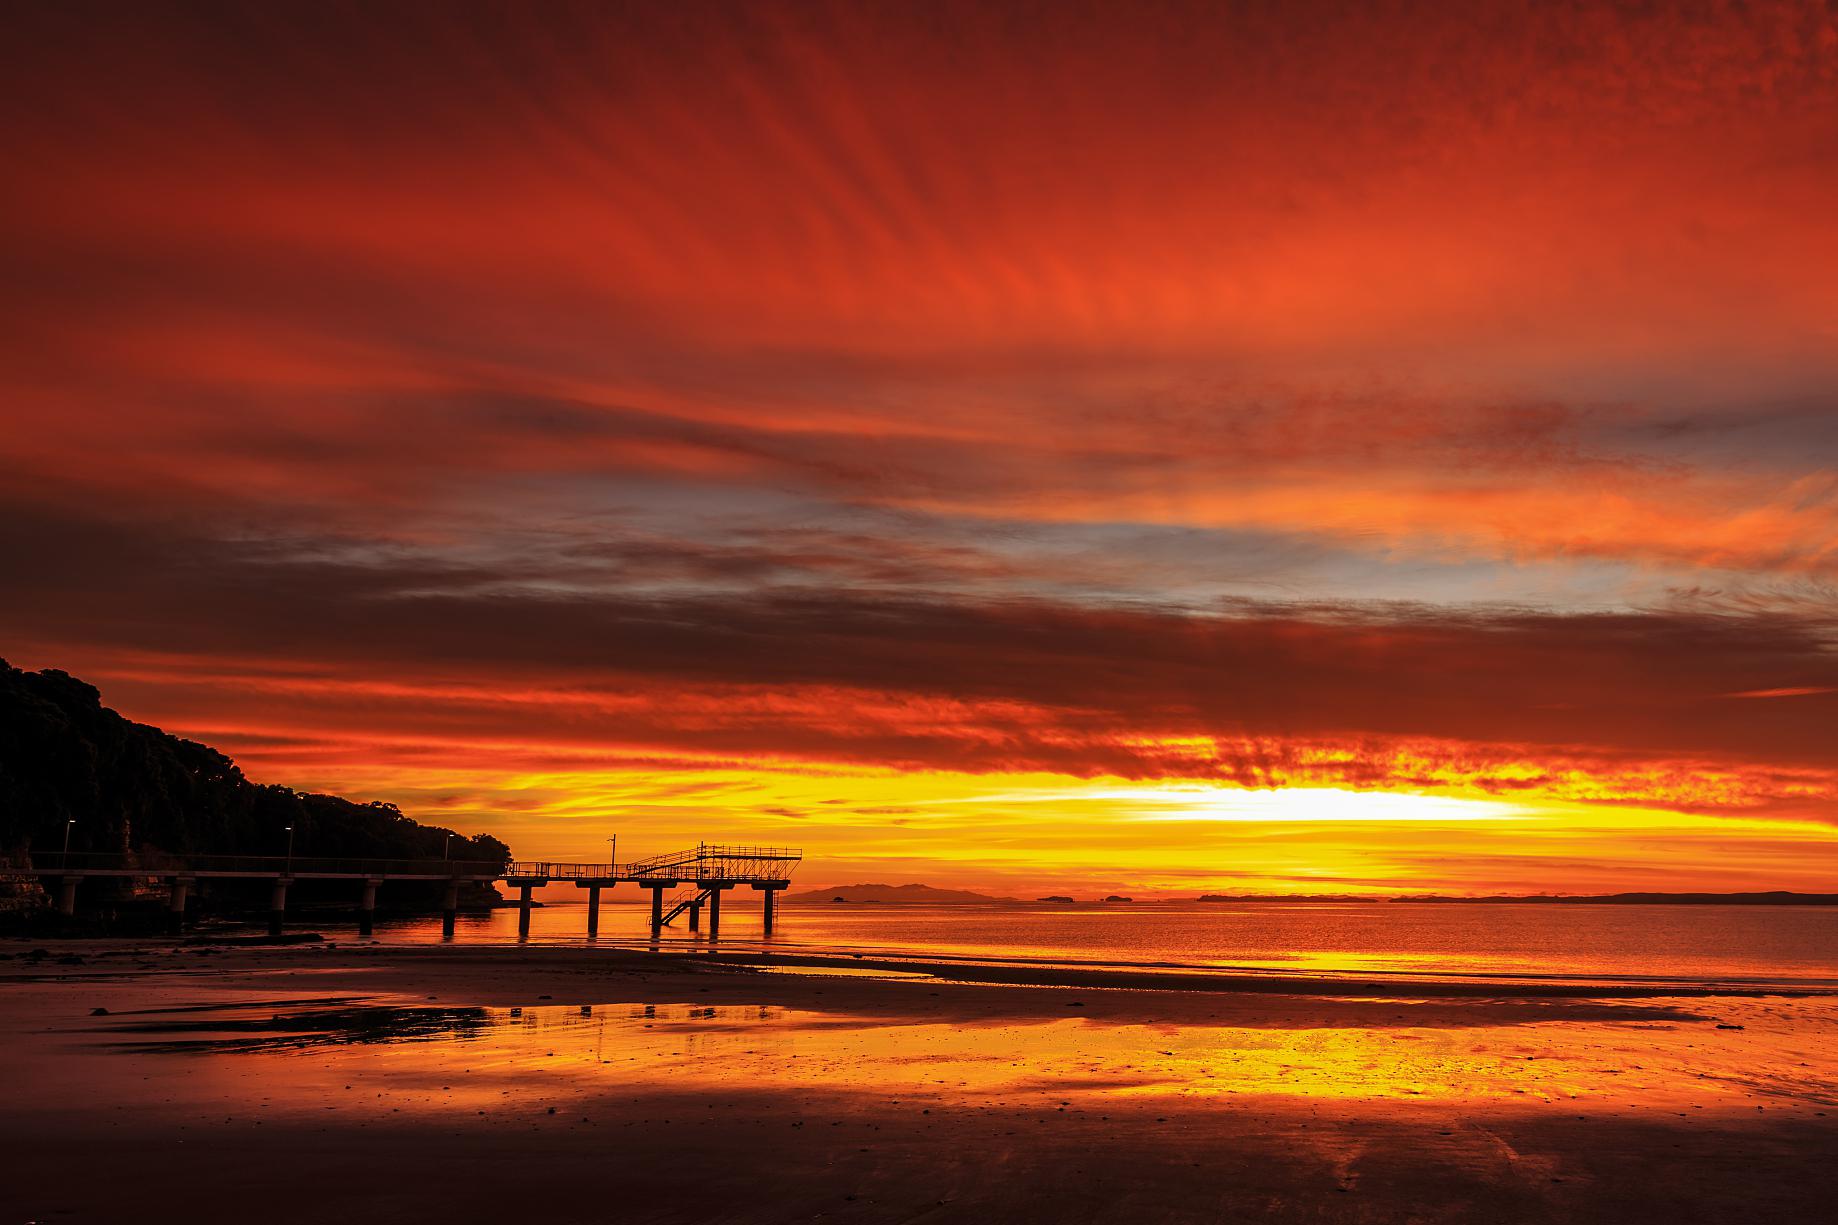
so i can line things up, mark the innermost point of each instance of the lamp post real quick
(64, 859)
(446, 850)
(612, 853)
(290, 850)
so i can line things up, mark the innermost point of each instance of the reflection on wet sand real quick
(557, 1075)
(361, 1025)
(1656, 1056)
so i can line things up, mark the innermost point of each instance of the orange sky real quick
(1154, 447)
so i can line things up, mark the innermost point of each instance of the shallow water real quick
(757, 1098)
(1691, 943)
(419, 1056)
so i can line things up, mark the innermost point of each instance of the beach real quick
(339, 1081)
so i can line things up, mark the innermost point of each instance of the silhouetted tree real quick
(131, 787)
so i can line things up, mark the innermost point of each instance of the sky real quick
(1031, 447)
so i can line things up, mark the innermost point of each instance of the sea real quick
(1692, 943)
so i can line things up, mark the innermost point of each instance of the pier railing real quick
(152, 863)
(710, 869)
(708, 862)
(544, 869)
(714, 861)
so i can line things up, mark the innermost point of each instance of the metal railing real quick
(543, 869)
(152, 863)
(663, 865)
(773, 863)
(707, 862)
(714, 861)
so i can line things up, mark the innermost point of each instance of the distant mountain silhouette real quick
(130, 787)
(1286, 897)
(1775, 897)
(893, 893)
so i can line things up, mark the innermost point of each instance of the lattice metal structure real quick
(715, 861)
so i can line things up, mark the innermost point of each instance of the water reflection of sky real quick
(412, 1056)
(1718, 943)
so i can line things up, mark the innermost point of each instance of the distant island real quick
(1286, 897)
(1776, 897)
(907, 894)
(927, 895)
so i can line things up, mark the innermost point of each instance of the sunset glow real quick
(1006, 453)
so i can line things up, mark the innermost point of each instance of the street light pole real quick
(64, 859)
(290, 850)
(612, 854)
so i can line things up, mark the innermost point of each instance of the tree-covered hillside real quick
(130, 787)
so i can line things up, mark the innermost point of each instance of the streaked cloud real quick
(1431, 407)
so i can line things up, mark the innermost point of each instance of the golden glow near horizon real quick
(1300, 804)
(1030, 833)
(1102, 462)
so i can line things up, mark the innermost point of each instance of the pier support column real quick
(175, 905)
(449, 910)
(657, 905)
(67, 896)
(523, 911)
(277, 905)
(367, 913)
(593, 911)
(769, 904)
(715, 889)
(695, 916)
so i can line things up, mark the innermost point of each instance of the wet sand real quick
(377, 1083)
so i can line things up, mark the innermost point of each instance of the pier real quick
(681, 882)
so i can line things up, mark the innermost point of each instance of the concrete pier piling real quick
(67, 896)
(593, 911)
(277, 905)
(715, 888)
(175, 905)
(695, 916)
(523, 911)
(657, 888)
(367, 913)
(449, 910)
